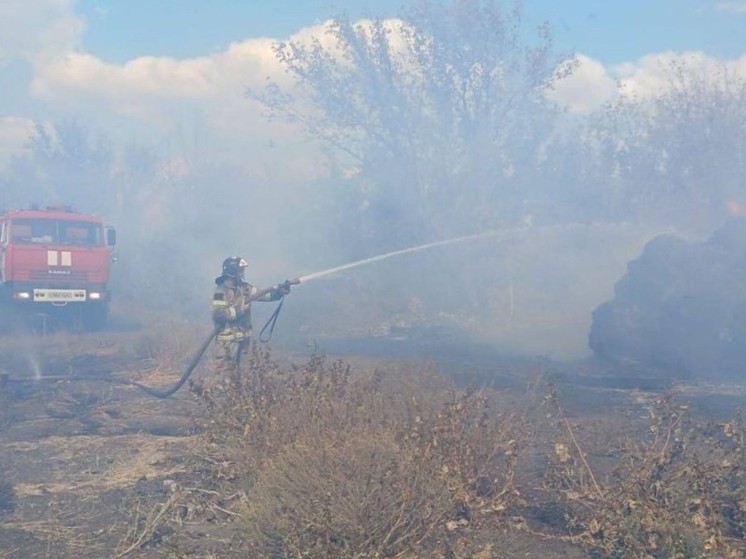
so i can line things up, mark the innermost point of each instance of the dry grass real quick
(145, 524)
(168, 346)
(677, 492)
(330, 459)
(333, 463)
(60, 539)
(98, 468)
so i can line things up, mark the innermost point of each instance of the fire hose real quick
(264, 336)
(165, 393)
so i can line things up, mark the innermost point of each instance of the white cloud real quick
(200, 102)
(148, 75)
(38, 30)
(243, 64)
(592, 83)
(587, 88)
(733, 7)
(655, 73)
(197, 104)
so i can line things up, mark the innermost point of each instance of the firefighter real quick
(231, 312)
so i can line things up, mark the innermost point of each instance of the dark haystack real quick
(680, 307)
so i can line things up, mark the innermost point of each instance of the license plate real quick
(59, 295)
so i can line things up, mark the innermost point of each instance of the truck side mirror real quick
(111, 236)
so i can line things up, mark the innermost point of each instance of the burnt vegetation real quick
(7, 497)
(335, 463)
(674, 490)
(325, 457)
(438, 125)
(324, 460)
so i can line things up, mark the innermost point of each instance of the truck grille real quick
(73, 276)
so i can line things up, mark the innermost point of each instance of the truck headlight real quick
(22, 295)
(94, 295)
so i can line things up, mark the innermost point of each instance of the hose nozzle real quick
(285, 285)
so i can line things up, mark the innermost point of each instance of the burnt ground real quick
(92, 464)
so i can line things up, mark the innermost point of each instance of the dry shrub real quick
(360, 495)
(79, 403)
(680, 492)
(334, 462)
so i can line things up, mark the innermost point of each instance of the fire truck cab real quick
(55, 262)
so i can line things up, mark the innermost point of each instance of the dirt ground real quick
(93, 463)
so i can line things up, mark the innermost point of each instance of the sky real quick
(611, 32)
(176, 71)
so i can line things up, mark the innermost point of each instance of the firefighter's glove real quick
(284, 288)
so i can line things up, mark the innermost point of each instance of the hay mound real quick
(680, 307)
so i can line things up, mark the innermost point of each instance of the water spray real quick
(35, 366)
(380, 257)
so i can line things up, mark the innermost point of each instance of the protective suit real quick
(231, 312)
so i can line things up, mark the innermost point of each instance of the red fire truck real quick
(55, 263)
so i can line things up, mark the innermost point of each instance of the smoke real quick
(526, 291)
(188, 169)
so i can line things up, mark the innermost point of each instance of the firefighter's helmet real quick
(234, 266)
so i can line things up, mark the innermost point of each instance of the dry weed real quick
(678, 493)
(146, 526)
(333, 462)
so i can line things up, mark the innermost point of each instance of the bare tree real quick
(680, 157)
(440, 116)
(62, 165)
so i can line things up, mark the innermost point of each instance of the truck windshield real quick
(55, 232)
